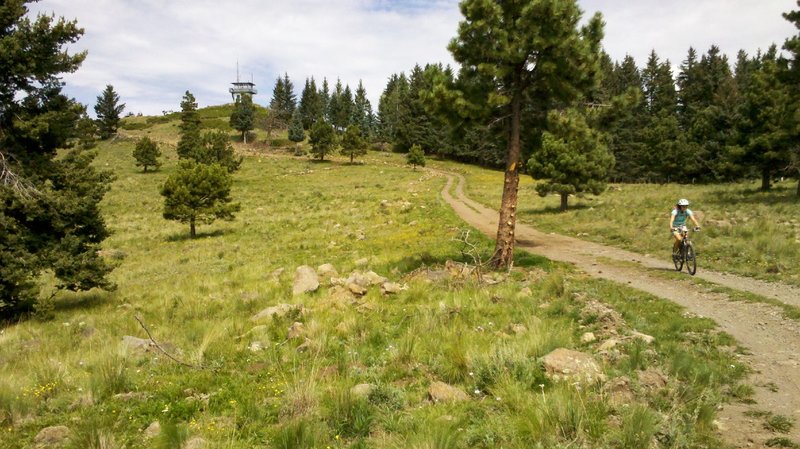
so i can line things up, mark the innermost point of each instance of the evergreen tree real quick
(296, 133)
(322, 139)
(243, 115)
(791, 79)
(49, 199)
(415, 156)
(311, 107)
(506, 46)
(353, 144)
(198, 193)
(108, 110)
(393, 110)
(215, 148)
(189, 128)
(573, 158)
(362, 112)
(147, 153)
(665, 158)
(283, 101)
(766, 120)
(625, 120)
(324, 100)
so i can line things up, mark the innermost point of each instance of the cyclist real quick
(678, 219)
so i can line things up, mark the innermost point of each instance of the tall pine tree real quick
(108, 110)
(189, 128)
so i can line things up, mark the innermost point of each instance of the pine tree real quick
(573, 158)
(766, 120)
(525, 62)
(311, 108)
(353, 144)
(215, 148)
(189, 128)
(198, 193)
(322, 139)
(362, 111)
(49, 198)
(243, 115)
(415, 156)
(791, 79)
(296, 133)
(147, 153)
(108, 110)
(324, 100)
(283, 101)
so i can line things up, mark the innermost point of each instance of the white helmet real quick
(683, 202)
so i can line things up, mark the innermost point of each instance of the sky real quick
(152, 51)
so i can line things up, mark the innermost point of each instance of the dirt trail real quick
(774, 341)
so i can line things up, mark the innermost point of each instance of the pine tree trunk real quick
(351, 158)
(798, 184)
(244, 137)
(504, 246)
(192, 232)
(564, 199)
(765, 178)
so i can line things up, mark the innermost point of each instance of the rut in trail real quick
(773, 341)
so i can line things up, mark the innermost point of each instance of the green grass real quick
(745, 231)
(197, 296)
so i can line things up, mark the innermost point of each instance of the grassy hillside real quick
(273, 382)
(745, 231)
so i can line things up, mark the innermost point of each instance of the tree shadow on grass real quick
(82, 300)
(410, 263)
(552, 210)
(200, 235)
(754, 195)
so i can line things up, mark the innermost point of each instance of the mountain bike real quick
(685, 254)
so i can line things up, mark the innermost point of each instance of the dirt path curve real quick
(774, 341)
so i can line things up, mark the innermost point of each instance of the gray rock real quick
(130, 396)
(356, 289)
(134, 344)
(305, 280)
(441, 392)
(374, 278)
(652, 380)
(362, 262)
(195, 443)
(644, 337)
(296, 330)
(566, 364)
(52, 436)
(327, 271)
(608, 344)
(518, 328)
(152, 430)
(362, 390)
(588, 337)
(276, 311)
(390, 288)
(255, 346)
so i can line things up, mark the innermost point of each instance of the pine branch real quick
(12, 180)
(155, 343)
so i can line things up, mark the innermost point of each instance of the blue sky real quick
(152, 51)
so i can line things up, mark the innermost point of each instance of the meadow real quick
(744, 231)
(288, 381)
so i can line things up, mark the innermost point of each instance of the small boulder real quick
(296, 330)
(305, 280)
(362, 390)
(134, 344)
(518, 328)
(255, 346)
(362, 262)
(441, 392)
(52, 436)
(152, 430)
(374, 278)
(356, 289)
(564, 364)
(390, 288)
(195, 443)
(276, 311)
(652, 380)
(327, 271)
(644, 337)
(608, 344)
(588, 337)
(619, 389)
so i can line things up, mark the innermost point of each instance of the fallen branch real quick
(155, 343)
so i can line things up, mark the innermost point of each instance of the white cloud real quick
(152, 51)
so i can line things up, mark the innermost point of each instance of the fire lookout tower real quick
(242, 87)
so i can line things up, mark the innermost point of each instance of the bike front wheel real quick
(691, 260)
(677, 259)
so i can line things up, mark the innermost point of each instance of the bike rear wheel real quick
(691, 260)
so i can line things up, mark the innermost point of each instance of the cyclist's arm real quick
(671, 219)
(694, 220)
